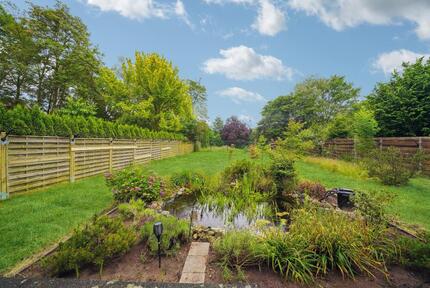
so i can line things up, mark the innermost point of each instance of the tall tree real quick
(17, 57)
(402, 106)
(199, 97)
(217, 125)
(67, 63)
(156, 97)
(315, 101)
(235, 132)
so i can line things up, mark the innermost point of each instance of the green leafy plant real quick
(391, 166)
(175, 233)
(191, 180)
(373, 206)
(135, 210)
(99, 241)
(237, 250)
(135, 183)
(415, 253)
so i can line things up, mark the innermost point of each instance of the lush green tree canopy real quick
(156, 98)
(199, 98)
(402, 106)
(46, 57)
(315, 101)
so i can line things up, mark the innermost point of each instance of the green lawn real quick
(411, 203)
(32, 221)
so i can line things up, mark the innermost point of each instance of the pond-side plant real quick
(393, 167)
(320, 240)
(313, 189)
(135, 183)
(175, 232)
(101, 240)
(135, 210)
(192, 181)
(372, 206)
(237, 250)
(415, 253)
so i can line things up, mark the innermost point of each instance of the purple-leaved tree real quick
(235, 132)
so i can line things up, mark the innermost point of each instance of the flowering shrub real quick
(133, 183)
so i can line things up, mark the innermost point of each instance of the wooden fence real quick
(31, 162)
(407, 145)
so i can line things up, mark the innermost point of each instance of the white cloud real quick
(340, 14)
(248, 119)
(390, 61)
(222, 2)
(143, 9)
(270, 20)
(238, 95)
(243, 63)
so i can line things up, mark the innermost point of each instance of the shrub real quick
(415, 253)
(321, 240)
(96, 243)
(253, 151)
(135, 210)
(134, 183)
(237, 170)
(192, 181)
(284, 177)
(391, 166)
(175, 233)
(312, 189)
(237, 250)
(372, 206)
(32, 121)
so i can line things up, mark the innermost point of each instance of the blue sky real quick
(247, 52)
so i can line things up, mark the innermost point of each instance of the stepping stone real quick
(195, 264)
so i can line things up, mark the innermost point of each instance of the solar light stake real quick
(158, 230)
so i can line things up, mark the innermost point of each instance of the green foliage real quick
(283, 173)
(402, 105)
(319, 241)
(190, 180)
(237, 250)
(175, 233)
(364, 128)
(135, 210)
(315, 101)
(199, 98)
(197, 131)
(415, 253)
(33, 121)
(47, 56)
(77, 107)
(96, 243)
(391, 166)
(373, 206)
(156, 98)
(297, 139)
(135, 183)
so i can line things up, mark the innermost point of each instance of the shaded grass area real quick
(411, 202)
(32, 221)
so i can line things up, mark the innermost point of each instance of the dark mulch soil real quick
(399, 278)
(132, 267)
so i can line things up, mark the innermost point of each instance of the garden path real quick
(195, 264)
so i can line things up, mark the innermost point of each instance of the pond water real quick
(217, 216)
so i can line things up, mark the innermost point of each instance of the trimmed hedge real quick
(32, 121)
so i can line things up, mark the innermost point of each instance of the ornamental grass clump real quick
(101, 240)
(236, 250)
(135, 183)
(319, 241)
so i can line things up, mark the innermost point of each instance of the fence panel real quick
(407, 145)
(31, 162)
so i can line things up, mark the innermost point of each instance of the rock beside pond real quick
(206, 233)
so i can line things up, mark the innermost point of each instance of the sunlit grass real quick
(338, 166)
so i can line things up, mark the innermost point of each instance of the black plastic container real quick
(344, 198)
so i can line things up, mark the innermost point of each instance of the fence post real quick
(380, 143)
(420, 148)
(134, 151)
(355, 148)
(71, 160)
(110, 155)
(3, 164)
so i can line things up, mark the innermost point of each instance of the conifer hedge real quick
(32, 121)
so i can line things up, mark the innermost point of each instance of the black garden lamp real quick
(158, 230)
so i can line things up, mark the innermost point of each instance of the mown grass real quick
(410, 203)
(32, 221)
